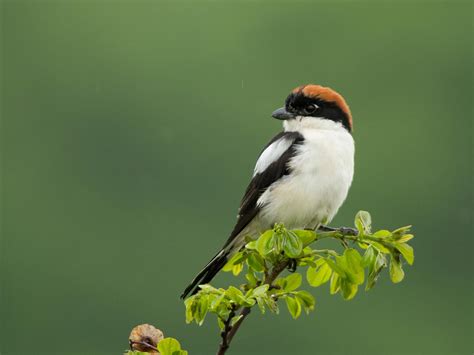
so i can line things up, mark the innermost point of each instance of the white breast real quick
(322, 172)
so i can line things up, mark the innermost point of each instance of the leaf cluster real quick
(362, 259)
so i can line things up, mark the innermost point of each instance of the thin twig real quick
(224, 345)
(229, 332)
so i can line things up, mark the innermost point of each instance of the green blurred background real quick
(130, 130)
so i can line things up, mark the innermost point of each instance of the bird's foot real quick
(292, 265)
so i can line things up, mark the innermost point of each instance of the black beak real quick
(282, 114)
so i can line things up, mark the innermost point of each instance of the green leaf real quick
(261, 304)
(306, 236)
(353, 262)
(380, 247)
(169, 346)
(306, 299)
(220, 323)
(292, 245)
(234, 294)
(363, 222)
(237, 269)
(369, 257)
(320, 275)
(405, 238)
(217, 301)
(189, 309)
(202, 309)
(237, 258)
(251, 278)
(265, 243)
(402, 230)
(335, 267)
(293, 281)
(383, 233)
(396, 271)
(271, 304)
(349, 289)
(255, 262)
(294, 307)
(335, 283)
(260, 291)
(407, 252)
(251, 245)
(375, 269)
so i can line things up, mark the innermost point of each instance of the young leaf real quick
(306, 236)
(292, 245)
(293, 281)
(396, 271)
(405, 238)
(348, 289)
(271, 304)
(383, 233)
(402, 230)
(189, 309)
(216, 301)
(363, 222)
(375, 269)
(237, 268)
(220, 323)
(169, 346)
(260, 291)
(265, 243)
(380, 247)
(251, 278)
(306, 300)
(251, 245)
(202, 309)
(236, 259)
(294, 307)
(335, 283)
(318, 276)
(369, 257)
(255, 262)
(353, 263)
(335, 267)
(234, 294)
(407, 252)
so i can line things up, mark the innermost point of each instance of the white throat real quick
(301, 122)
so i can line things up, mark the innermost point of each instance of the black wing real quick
(248, 207)
(261, 181)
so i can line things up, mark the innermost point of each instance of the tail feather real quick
(207, 274)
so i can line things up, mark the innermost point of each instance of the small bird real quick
(301, 177)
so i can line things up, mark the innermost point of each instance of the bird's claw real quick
(292, 265)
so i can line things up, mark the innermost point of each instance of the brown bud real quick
(145, 338)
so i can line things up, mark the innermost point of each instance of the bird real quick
(301, 177)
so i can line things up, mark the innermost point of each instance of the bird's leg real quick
(343, 230)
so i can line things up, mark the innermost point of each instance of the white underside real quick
(321, 174)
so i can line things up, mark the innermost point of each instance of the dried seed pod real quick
(145, 338)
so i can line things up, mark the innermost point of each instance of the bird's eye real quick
(310, 108)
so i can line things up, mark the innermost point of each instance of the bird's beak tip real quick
(282, 114)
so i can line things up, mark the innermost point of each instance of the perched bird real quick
(302, 176)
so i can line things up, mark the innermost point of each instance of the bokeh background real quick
(130, 130)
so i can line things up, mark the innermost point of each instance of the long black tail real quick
(207, 274)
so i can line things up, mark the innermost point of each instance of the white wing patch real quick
(271, 154)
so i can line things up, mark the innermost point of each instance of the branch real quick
(229, 332)
(279, 249)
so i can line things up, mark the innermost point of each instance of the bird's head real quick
(315, 101)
